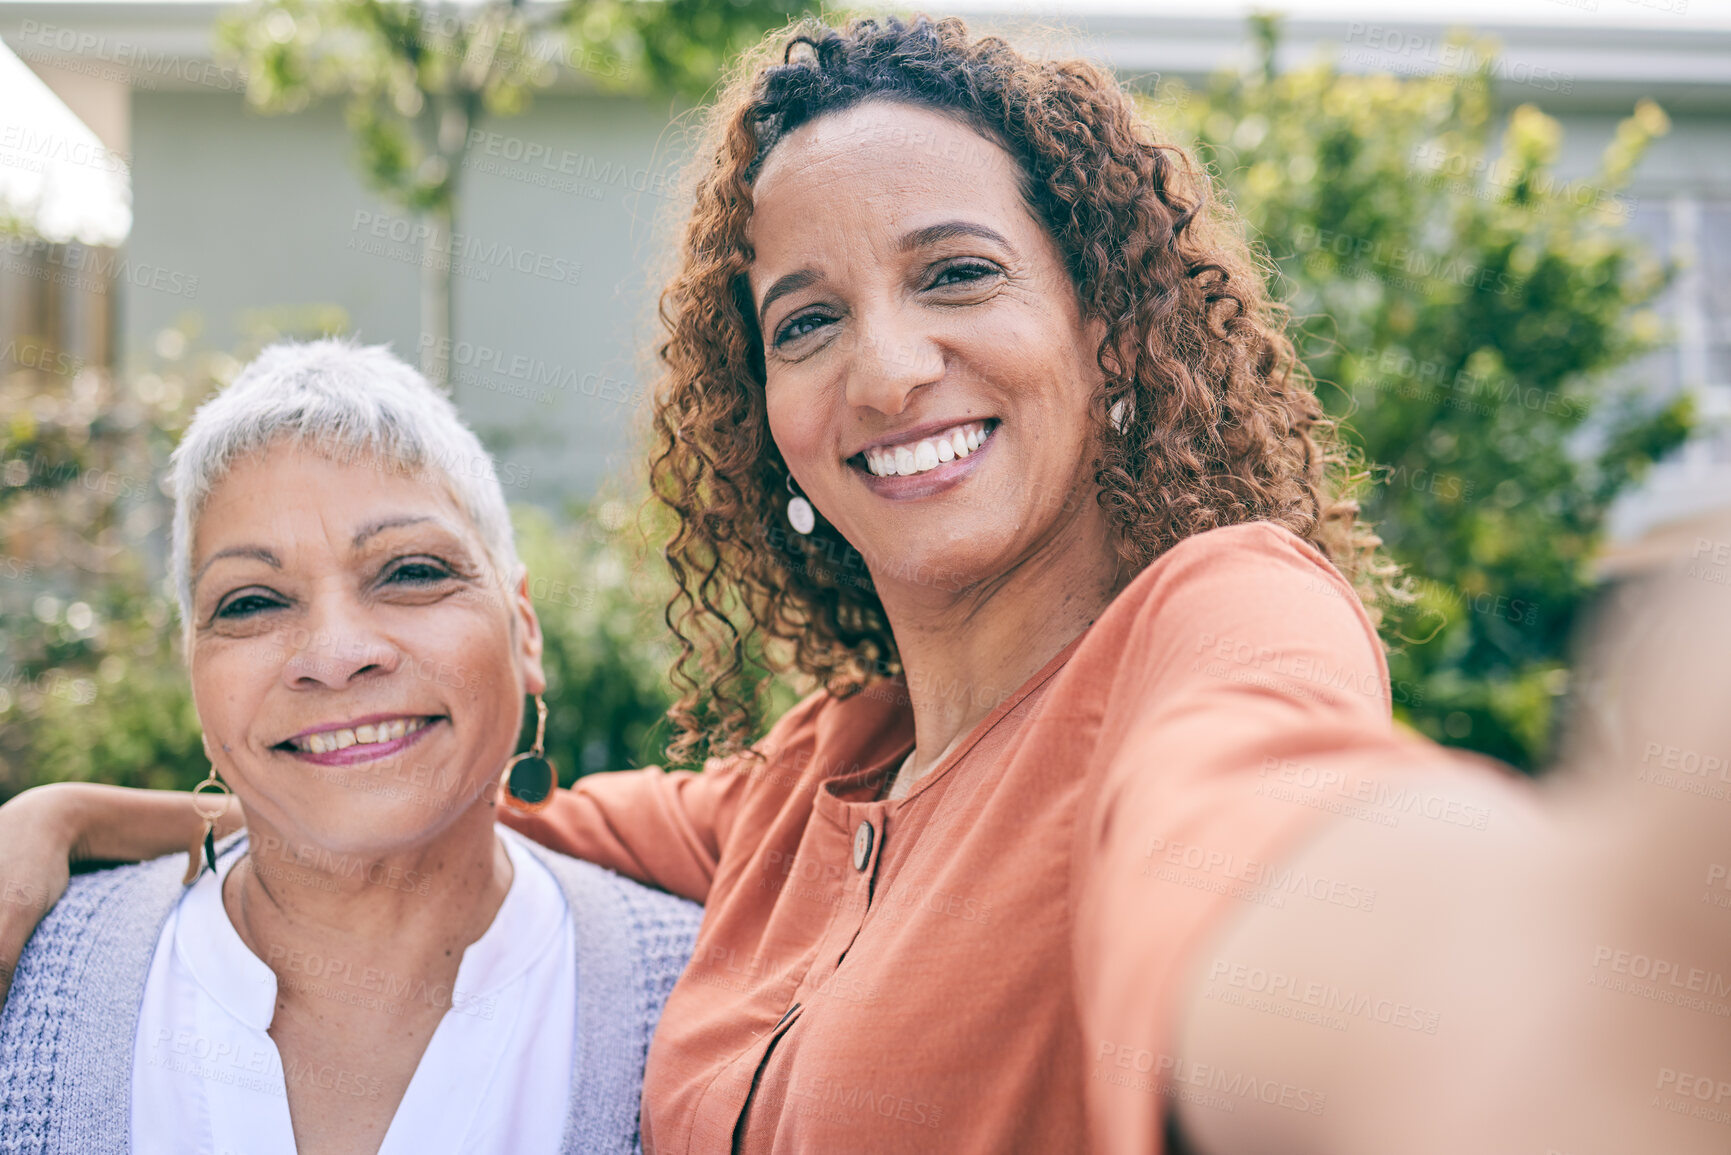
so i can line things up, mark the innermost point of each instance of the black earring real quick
(529, 779)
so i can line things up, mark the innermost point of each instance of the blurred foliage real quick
(605, 651)
(1462, 308)
(91, 683)
(599, 589)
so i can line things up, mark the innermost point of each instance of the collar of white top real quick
(529, 922)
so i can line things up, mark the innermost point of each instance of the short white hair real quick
(352, 402)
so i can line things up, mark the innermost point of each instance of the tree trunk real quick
(436, 305)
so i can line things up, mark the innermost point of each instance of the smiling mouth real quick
(924, 454)
(380, 734)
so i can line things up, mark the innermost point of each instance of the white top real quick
(495, 1078)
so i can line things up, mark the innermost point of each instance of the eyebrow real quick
(949, 230)
(918, 239)
(373, 529)
(255, 552)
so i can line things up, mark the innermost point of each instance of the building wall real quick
(248, 224)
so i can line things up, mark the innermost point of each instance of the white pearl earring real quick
(800, 514)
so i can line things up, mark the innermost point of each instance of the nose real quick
(890, 359)
(337, 644)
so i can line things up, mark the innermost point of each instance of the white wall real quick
(270, 216)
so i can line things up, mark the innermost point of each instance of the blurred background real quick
(1504, 232)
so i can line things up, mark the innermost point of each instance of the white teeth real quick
(344, 739)
(365, 734)
(920, 456)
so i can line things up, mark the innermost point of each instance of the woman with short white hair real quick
(375, 965)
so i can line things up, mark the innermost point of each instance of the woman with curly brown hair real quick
(975, 412)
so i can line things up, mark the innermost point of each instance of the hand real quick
(36, 838)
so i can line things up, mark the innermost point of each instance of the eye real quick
(800, 325)
(246, 604)
(963, 273)
(417, 571)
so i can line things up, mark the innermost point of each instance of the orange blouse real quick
(996, 961)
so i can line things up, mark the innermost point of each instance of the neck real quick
(965, 653)
(392, 921)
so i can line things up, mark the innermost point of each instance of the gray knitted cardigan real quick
(66, 1036)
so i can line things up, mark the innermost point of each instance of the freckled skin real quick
(986, 580)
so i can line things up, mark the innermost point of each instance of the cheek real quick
(229, 680)
(796, 429)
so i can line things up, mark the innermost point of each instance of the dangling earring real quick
(1122, 413)
(193, 866)
(799, 511)
(529, 779)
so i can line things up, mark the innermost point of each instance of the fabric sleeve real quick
(1253, 703)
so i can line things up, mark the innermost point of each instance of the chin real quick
(380, 818)
(944, 570)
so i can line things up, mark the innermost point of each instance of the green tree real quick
(1462, 309)
(418, 78)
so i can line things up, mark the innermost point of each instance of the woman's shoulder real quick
(113, 905)
(1244, 611)
(610, 905)
(67, 1028)
(632, 943)
(1254, 576)
(1265, 547)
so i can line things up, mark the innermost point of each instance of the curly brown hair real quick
(1221, 425)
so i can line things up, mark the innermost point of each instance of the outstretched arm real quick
(46, 828)
(1299, 931)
